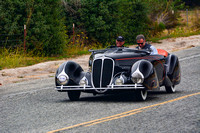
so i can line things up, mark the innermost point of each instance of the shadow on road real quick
(119, 97)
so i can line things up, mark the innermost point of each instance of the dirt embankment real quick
(48, 69)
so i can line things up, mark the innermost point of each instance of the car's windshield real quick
(120, 50)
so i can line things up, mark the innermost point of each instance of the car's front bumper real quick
(109, 87)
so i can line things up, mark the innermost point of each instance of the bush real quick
(134, 19)
(163, 14)
(103, 21)
(44, 20)
(12, 18)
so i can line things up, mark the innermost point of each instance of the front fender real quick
(171, 62)
(144, 66)
(73, 70)
(149, 73)
(173, 69)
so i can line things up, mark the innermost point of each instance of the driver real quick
(143, 45)
(120, 41)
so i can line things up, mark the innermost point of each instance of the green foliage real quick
(47, 29)
(134, 19)
(44, 20)
(11, 16)
(103, 21)
(11, 21)
(91, 17)
(157, 28)
(97, 22)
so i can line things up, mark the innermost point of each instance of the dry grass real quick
(187, 27)
(17, 58)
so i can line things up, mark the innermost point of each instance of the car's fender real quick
(171, 62)
(150, 76)
(73, 70)
(144, 66)
(173, 69)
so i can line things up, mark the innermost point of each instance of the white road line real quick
(190, 57)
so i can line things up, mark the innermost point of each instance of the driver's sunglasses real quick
(139, 43)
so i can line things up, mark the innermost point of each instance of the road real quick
(35, 107)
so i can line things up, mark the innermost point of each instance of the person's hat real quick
(120, 38)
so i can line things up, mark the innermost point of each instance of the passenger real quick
(143, 45)
(120, 41)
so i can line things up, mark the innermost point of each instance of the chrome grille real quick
(102, 72)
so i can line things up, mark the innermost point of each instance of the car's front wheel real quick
(170, 89)
(74, 95)
(141, 95)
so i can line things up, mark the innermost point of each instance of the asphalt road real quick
(35, 107)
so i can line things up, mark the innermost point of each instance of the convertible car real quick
(117, 69)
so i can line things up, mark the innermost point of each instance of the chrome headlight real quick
(83, 81)
(137, 77)
(119, 81)
(63, 79)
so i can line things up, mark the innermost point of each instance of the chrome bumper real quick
(110, 87)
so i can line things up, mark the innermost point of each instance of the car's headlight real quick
(63, 79)
(137, 77)
(119, 81)
(83, 81)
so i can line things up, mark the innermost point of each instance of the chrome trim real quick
(84, 78)
(121, 77)
(101, 72)
(63, 72)
(100, 90)
(102, 58)
(110, 87)
(127, 86)
(137, 71)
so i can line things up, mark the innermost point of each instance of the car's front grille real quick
(102, 72)
(96, 72)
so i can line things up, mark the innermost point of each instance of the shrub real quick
(44, 20)
(163, 14)
(103, 21)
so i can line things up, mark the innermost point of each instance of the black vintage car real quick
(118, 69)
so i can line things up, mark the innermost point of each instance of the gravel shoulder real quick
(48, 69)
